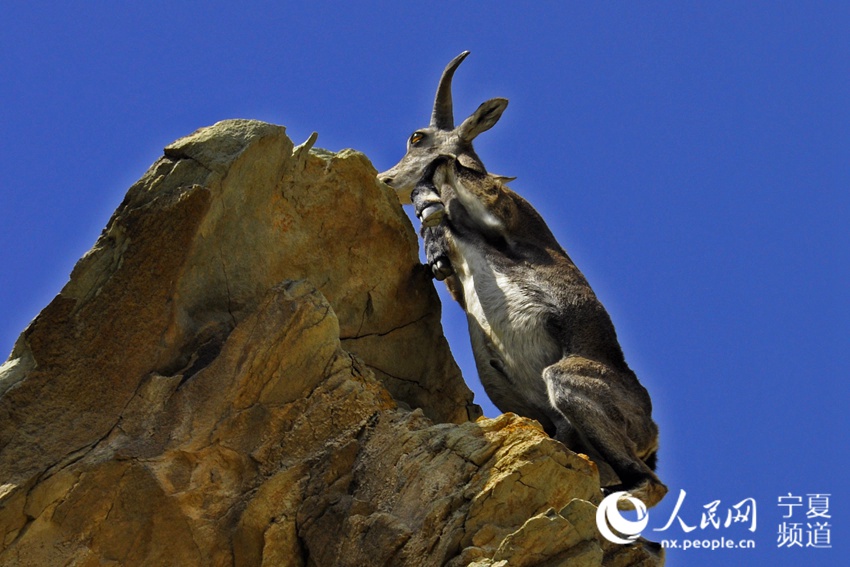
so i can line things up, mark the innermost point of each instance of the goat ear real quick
(484, 118)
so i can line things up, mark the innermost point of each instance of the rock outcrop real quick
(248, 369)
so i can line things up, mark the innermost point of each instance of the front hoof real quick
(432, 215)
(441, 268)
(650, 492)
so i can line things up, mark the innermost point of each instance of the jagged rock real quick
(248, 369)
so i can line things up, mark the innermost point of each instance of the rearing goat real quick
(544, 346)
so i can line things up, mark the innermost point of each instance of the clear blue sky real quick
(693, 159)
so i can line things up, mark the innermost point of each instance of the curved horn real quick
(442, 116)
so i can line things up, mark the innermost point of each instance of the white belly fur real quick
(512, 325)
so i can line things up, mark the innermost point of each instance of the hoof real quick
(441, 268)
(432, 215)
(650, 492)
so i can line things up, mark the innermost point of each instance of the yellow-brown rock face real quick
(248, 369)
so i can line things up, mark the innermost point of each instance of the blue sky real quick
(693, 159)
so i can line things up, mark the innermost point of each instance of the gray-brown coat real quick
(544, 345)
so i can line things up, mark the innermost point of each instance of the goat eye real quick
(416, 138)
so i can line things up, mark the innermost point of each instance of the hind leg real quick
(607, 421)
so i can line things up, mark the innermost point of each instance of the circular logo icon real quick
(613, 526)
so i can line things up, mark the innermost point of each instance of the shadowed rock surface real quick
(248, 368)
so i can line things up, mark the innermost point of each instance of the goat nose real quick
(386, 179)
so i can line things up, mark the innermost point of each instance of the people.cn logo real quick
(613, 526)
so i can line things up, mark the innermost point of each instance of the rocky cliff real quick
(248, 368)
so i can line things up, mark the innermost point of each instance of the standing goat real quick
(544, 346)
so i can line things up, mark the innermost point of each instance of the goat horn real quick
(442, 117)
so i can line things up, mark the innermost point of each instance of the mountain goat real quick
(544, 346)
